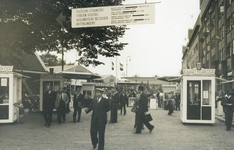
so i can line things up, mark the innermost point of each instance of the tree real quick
(51, 60)
(30, 25)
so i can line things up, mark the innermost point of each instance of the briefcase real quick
(148, 117)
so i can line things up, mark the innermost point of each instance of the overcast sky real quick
(155, 49)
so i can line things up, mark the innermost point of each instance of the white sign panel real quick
(3, 81)
(113, 15)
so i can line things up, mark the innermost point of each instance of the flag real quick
(121, 67)
(112, 67)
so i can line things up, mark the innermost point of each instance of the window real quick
(229, 64)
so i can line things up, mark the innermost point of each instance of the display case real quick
(198, 96)
(10, 93)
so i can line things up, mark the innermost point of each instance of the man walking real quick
(114, 106)
(143, 108)
(227, 103)
(60, 105)
(77, 105)
(123, 98)
(100, 106)
(48, 105)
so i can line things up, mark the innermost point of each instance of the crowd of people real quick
(105, 100)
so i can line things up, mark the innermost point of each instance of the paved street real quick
(169, 133)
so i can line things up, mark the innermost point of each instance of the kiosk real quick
(10, 93)
(88, 90)
(198, 96)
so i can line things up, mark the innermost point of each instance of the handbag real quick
(134, 109)
(148, 117)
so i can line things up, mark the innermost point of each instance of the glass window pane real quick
(4, 90)
(206, 93)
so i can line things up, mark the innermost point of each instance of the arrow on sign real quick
(61, 18)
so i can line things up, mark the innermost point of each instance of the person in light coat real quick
(60, 104)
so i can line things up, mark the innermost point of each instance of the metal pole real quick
(116, 71)
(62, 59)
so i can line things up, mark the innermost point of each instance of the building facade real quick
(212, 41)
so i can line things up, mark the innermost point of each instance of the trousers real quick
(100, 130)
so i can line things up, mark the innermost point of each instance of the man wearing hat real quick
(100, 106)
(142, 109)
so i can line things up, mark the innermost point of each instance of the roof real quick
(70, 68)
(23, 62)
(74, 72)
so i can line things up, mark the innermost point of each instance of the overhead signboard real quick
(113, 15)
(6, 68)
(198, 72)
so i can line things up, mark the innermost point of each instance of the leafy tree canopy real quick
(30, 25)
(51, 60)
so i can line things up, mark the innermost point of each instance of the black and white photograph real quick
(116, 74)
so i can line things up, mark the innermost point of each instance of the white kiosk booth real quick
(198, 96)
(10, 93)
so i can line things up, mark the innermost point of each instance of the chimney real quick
(51, 70)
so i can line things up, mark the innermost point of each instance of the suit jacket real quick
(122, 98)
(65, 99)
(49, 99)
(225, 101)
(143, 103)
(99, 116)
(77, 99)
(116, 100)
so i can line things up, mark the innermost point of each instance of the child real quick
(21, 111)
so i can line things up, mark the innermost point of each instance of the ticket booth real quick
(10, 93)
(198, 96)
(88, 90)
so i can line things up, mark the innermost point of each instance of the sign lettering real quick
(113, 15)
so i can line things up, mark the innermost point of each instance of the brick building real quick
(212, 41)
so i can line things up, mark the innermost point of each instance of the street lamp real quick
(128, 59)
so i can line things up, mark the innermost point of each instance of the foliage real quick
(52, 60)
(30, 25)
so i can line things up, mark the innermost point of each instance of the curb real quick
(220, 118)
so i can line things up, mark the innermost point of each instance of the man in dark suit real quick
(123, 98)
(100, 106)
(48, 105)
(142, 109)
(77, 105)
(227, 103)
(114, 105)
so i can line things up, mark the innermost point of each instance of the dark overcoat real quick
(100, 109)
(76, 100)
(143, 103)
(49, 99)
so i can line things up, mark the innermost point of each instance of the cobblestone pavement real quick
(169, 134)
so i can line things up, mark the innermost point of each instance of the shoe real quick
(151, 130)
(94, 146)
(134, 132)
